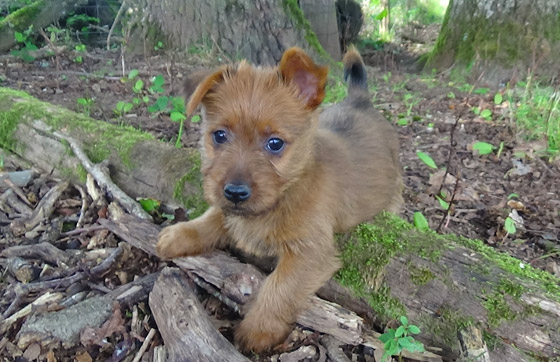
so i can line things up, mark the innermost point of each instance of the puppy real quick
(281, 179)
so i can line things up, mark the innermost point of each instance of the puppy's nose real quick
(237, 192)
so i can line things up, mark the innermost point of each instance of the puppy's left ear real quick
(298, 67)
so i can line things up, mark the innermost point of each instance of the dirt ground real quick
(485, 188)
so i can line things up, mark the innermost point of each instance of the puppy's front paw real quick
(260, 333)
(178, 240)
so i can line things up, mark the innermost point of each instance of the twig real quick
(84, 207)
(18, 192)
(84, 230)
(214, 292)
(99, 174)
(117, 18)
(144, 346)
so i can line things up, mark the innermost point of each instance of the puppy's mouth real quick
(238, 210)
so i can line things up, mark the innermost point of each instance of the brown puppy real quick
(281, 179)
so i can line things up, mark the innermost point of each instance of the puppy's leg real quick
(192, 237)
(285, 293)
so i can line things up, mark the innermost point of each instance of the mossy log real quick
(39, 14)
(443, 283)
(140, 165)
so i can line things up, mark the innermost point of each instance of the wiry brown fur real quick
(337, 169)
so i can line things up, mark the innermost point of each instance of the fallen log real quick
(443, 283)
(39, 14)
(140, 165)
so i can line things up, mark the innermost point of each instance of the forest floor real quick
(428, 111)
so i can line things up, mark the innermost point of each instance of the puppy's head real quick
(257, 130)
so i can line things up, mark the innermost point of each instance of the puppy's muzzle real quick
(237, 192)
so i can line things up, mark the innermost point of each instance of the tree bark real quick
(39, 14)
(258, 30)
(499, 38)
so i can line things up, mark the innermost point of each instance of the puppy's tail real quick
(354, 70)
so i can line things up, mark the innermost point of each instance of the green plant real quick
(81, 23)
(84, 105)
(395, 341)
(158, 46)
(25, 45)
(122, 108)
(80, 48)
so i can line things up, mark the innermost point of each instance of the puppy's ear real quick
(298, 67)
(198, 84)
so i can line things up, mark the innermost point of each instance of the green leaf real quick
(159, 105)
(149, 205)
(420, 221)
(178, 104)
(132, 74)
(512, 195)
(476, 110)
(486, 114)
(481, 90)
(483, 148)
(424, 157)
(82, 101)
(400, 332)
(138, 86)
(387, 336)
(413, 329)
(451, 95)
(127, 107)
(509, 226)
(406, 344)
(444, 204)
(177, 116)
(402, 122)
(195, 118)
(404, 321)
(120, 105)
(19, 37)
(498, 98)
(381, 15)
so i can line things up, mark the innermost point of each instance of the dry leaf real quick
(83, 357)
(115, 324)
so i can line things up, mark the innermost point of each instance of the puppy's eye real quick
(275, 145)
(220, 136)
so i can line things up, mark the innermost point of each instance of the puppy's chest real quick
(260, 237)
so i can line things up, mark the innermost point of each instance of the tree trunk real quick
(39, 14)
(258, 30)
(500, 39)
(385, 27)
(321, 15)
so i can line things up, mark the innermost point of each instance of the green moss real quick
(517, 268)
(492, 341)
(369, 248)
(292, 8)
(20, 19)
(194, 202)
(498, 309)
(420, 275)
(445, 326)
(20, 107)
